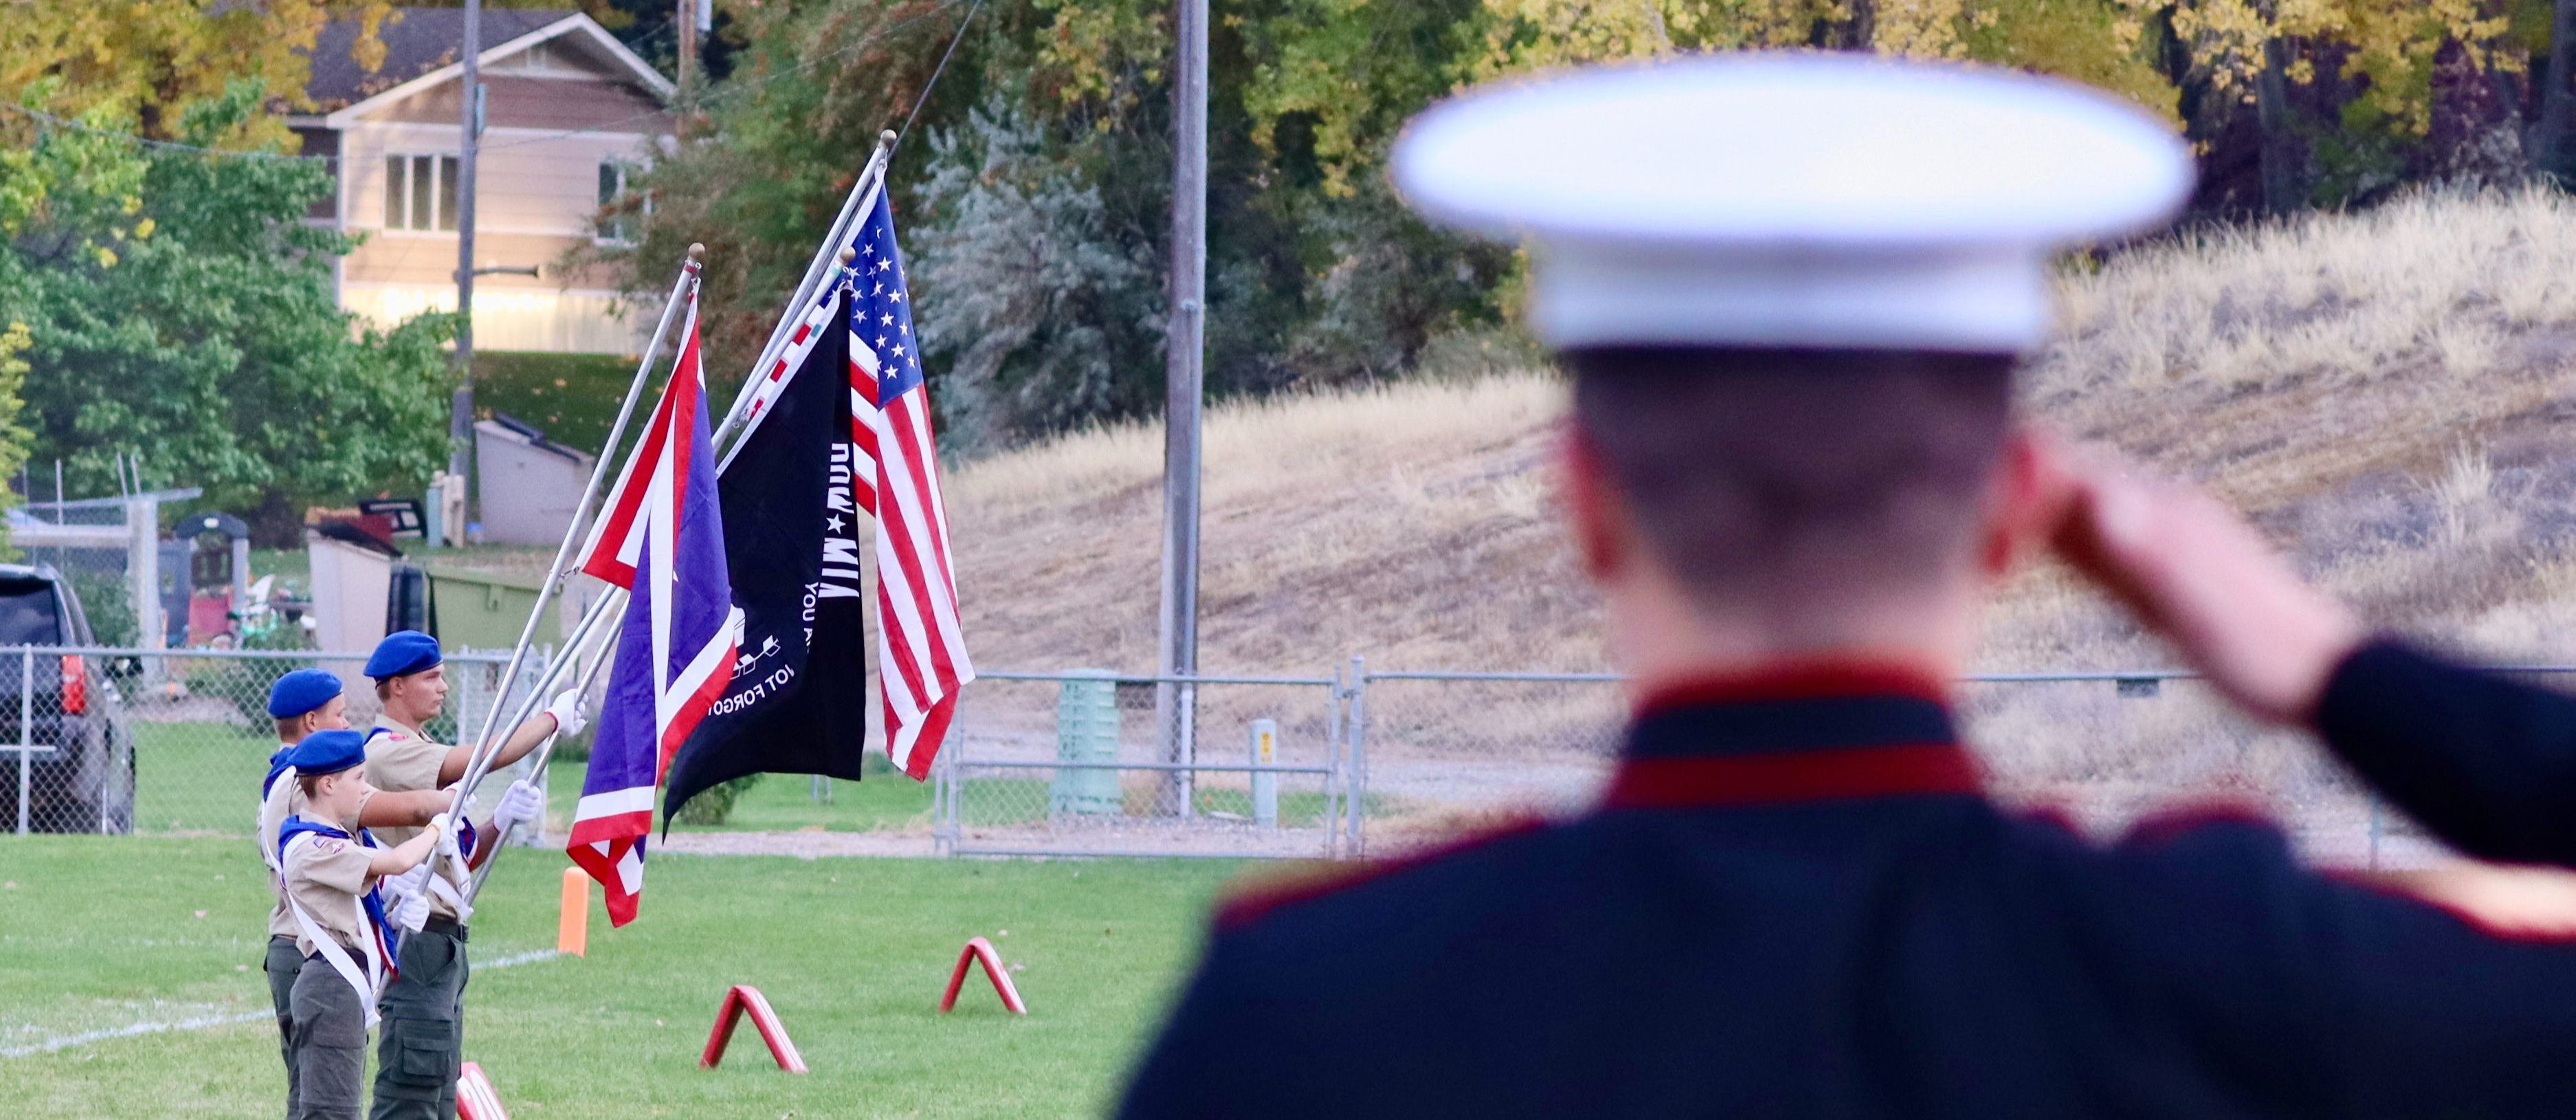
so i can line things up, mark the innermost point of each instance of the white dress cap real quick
(1765, 199)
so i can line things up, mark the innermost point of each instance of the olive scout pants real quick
(282, 965)
(422, 1049)
(327, 1047)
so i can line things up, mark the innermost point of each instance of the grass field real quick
(100, 934)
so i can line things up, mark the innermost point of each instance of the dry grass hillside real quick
(2388, 393)
(2385, 392)
(1407, 523)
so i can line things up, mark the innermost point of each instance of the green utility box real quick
(1086, 730)
(483, 610)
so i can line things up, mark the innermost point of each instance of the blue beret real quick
(301, 691)
(328, 752)
(403, 653)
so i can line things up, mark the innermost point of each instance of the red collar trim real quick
(1820, 679)
(1793, 776)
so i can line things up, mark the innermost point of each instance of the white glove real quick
(410, 912)
(519, 805)
(567, 712)
(409, 883)
(406, 899)
(446, 836)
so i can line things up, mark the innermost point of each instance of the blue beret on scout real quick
(301, 691)
(403, 653)
(328, 752)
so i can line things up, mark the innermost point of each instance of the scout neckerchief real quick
(377, 943)
(439, 886)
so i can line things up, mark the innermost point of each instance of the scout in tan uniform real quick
(330, 870)
(418, 1059)
(303, 702)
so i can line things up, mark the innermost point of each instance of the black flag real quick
(798, 701)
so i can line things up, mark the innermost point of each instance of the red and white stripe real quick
(921, 649)
(773, 381)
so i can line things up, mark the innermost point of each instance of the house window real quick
(420, 192)
(620, 210)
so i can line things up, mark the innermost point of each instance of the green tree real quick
(180, 310)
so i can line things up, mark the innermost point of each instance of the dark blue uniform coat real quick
(1795, 902)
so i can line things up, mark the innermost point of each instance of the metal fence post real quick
(26, 697)
(943, 802)
(2376, 826)
(1357, 782)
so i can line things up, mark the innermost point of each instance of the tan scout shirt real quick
(281, 922)
(326, 875)
(401, 759)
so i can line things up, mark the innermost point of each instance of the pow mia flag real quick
(797, 704)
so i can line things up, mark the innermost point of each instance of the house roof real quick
(424, 44)
(423, 40)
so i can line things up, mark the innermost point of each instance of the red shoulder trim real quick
(1257, 897)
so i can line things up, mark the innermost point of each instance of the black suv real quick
(79, 769)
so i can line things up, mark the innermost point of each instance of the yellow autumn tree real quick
(145, 58)
(2098, 42)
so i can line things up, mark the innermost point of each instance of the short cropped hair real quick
(1799, 483)
(292, 727)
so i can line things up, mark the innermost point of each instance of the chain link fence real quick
(173, 742)
(1093, 763)
(1449, 752)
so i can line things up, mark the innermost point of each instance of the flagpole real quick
(863, 195)
(683, 291)
(615, 601)
(592, 621)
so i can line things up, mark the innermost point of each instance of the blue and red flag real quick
(662, 538)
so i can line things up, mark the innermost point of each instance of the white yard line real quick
(208, 1022)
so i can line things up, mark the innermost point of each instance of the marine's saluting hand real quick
(2200, 576)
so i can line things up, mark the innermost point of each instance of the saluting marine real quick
(422, 1050)
(303, 702)
(330, 870)
(1791, 291)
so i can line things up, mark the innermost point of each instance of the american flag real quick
(921, 653)
(662, 538)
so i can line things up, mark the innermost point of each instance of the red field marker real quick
(475, 1099)
(981, 951)
(742, 998)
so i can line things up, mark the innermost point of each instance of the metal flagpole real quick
(460, 409)
(863, 196)
(610, 607)
(1177, 647)
(683, 291)
(527, 709)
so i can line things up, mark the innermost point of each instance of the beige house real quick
(568, 112)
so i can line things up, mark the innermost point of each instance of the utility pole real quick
(693, 16)
(460, 407)
(1184, 375)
